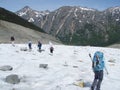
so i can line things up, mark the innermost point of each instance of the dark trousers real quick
(30, 46)
(51, 50)
(39, 48)
(98, 77)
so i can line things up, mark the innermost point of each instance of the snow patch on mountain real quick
(31, 20)
(22, 13)
(75, 12)
(86, 9)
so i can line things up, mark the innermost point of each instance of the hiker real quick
(12, 40)
(30, 45)
(51, 49)
(39, 46)
(98, 65)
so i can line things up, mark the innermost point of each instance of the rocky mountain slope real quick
(22, 34)
(13, 25)
(79, 25)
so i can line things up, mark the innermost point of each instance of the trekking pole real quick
(106, 70)
(90, 56)
(91, 60)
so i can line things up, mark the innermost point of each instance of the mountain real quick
(82, 26)
(31, 15)
(12, 17)
(13, 25)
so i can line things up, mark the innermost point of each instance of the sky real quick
(69, 65)
(41, 5)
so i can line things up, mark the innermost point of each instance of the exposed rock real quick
(43, 66)
(111, 60)
(12, 79)
(6, 68)
(23, 49)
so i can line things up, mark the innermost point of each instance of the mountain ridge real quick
(82, 26)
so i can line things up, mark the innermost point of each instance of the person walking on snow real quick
(12, 40)
(98, 65)
(30, 45)
(51, 47)
(39, 46)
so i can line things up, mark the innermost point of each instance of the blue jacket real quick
(98, 61)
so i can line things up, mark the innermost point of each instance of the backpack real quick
(98, 61)
(51, 48)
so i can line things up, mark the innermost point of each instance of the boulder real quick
(23, 49)
(43, 66)
(6, 68)
(111, 60)
(12, 79)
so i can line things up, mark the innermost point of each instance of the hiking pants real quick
(98, 77)
(30, 46)
(51, 50)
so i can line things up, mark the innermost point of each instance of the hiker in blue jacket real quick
(39, 46)
(98, 65)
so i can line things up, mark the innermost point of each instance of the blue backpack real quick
(98, 61)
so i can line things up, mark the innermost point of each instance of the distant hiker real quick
(30, 45)
(12, 40)
(39, 46)
(98, 65)
(51, 49)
